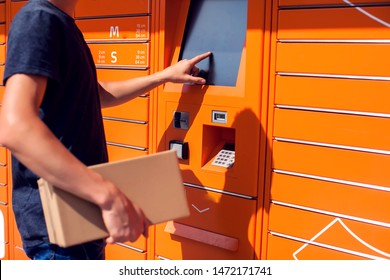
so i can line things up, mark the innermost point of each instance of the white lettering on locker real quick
(114, 31)
(114, 58)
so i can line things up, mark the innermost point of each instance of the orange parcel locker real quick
(356, 237)
(98, 8)
(2, 12)
(124, 251)
(332, 24)
(339, 94)
(16, 6)
(218, 124)
(1, 73)
(4, 232)
(223, 114)
(2, 54)
(214, 229)
(136, 109)
(115, 29)
(134, 55)
(2, 34)
(334, 58)
(320, 194)
(327, 2)
(335, 129)
(119, 151)
(126, 132)
(331, 162)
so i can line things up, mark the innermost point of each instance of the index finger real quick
(200, 57)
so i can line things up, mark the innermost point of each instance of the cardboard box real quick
(152, 182)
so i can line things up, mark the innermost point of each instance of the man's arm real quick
(30, 140)
(118, 92)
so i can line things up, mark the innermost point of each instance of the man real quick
(51, 122)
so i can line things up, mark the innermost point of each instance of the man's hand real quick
(124, 220)
(185, 71)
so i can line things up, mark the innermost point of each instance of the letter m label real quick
(114, 31)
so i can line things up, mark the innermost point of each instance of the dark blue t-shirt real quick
(43, 40)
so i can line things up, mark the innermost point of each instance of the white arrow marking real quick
(200, 211)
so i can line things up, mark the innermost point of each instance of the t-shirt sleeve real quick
(33, 45)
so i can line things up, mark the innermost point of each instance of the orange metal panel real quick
(211, 213)
(126, 133)
(341, 129)
(342, 164)
(326, 2)
(114, 29)
(3, 174)
(1, 74)
(19, 254)
(283, 249)
(98, 8)
(2, 12)
(332, 58)
(121, 55)
(344, 94)
(343, 23)
(136, 109)
(118, 153)
(16, 6)
(2, 54)
(6, 255)
(4, 209)
(330, 196)
(206, 138)
(3, 193)
(2, 34)
(3, 155)
(120, 252)
(342, 234)
(120, 74)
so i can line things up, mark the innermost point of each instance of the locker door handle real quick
(201, 235)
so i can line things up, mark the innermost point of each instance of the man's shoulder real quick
(40, 11)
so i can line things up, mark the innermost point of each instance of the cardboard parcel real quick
(152, 182)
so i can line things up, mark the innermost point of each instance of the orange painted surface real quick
(1, 74)
(118, 252)
(334, 58)
(99, 8)
(355, 237)
(119, 153)
(211, 213)
(332, 196)
(334, 163)
(2, 33)
(136, 109)
(3, 174)
(121, 55)
(15, 7)
(2, 54)
(2, 12)
(325, 2)
(332, 128)
(115, 29)
(343, 23)
(339, 94)
(126, 133)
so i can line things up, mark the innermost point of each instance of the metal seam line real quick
(333, 214)
(337, 76)
(335, 146)
(219, 191)
(332, 180)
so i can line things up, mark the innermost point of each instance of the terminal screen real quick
(218, 26)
